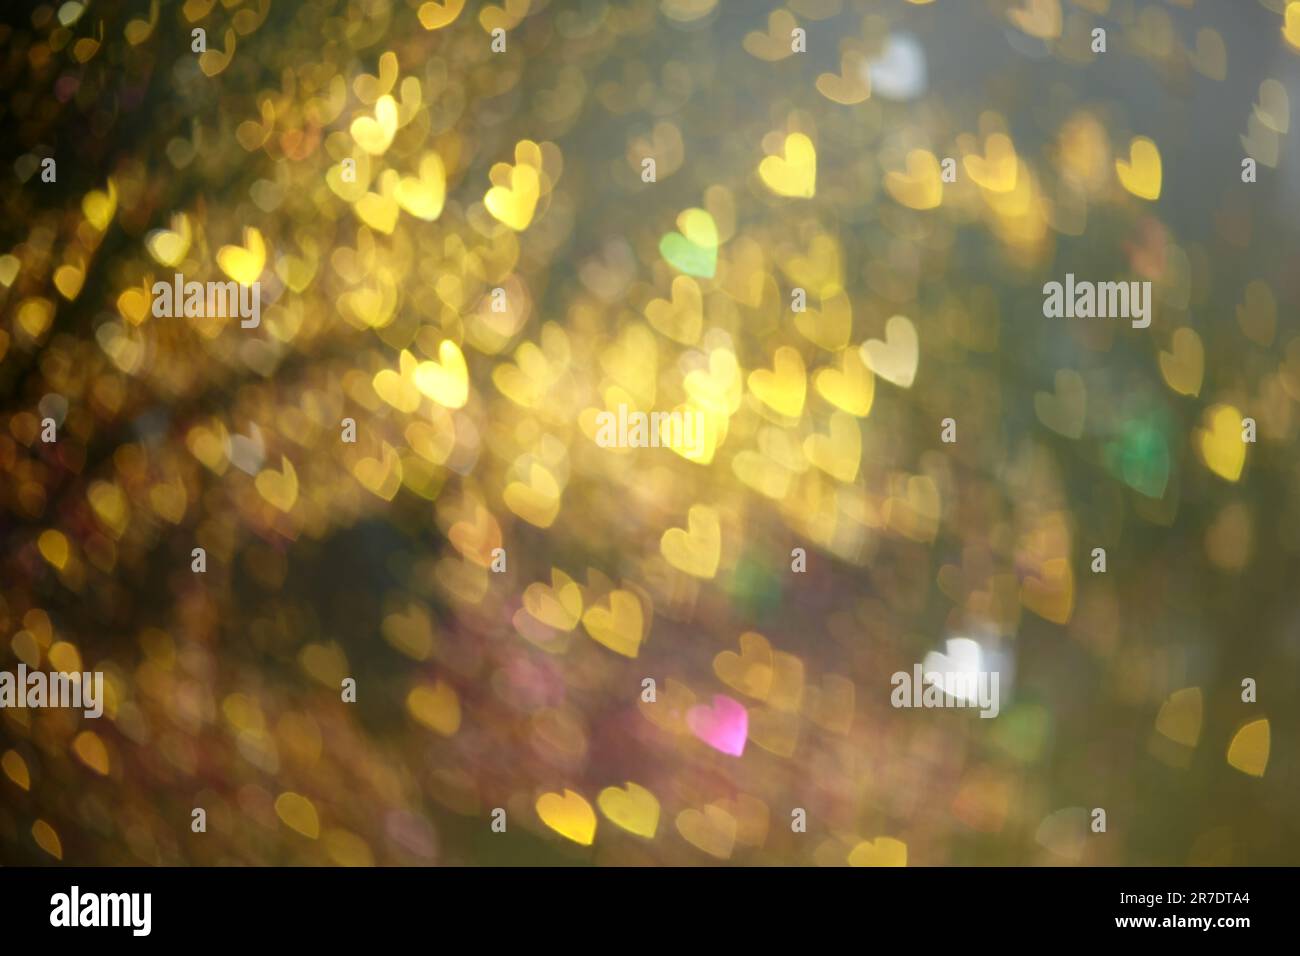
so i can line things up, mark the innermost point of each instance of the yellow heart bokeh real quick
(423, 196)
(514, 204)
(750, 671)
(718, 388)
(712, 831)
(852, 85)
(557, 605)
(699, 226)
(1181, 715)
(895, 359)
(1050, 594)
(784, 387)
(631, 807)
(1140, 174)
(1038, 18)
(298, 813)
(1249, 749)
(279, 488)
(618, 626)
(851, 387)
(110, 506)
(380, 476)
(537, 500)
(436, 707)
(99, 207)
(213, 62)
(476, 536)
(997, 170)
(794, 173)
(695, 551)
(1291, 25)
(775, 44)
(375, 133)
(920, 185)
(1220, 442)
(379, 210)
(505, 16)
(169, 246)
(1184, 367)
(435, 16)
(397, 387)
(68, 279)
(913, 508)
(447, 380)
(682, 318)
(830, 327)
(410, 631)
(244, 263)
(882, 851)
(568, 814)
(839, 452)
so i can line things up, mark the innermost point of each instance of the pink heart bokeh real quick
(724, 726)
